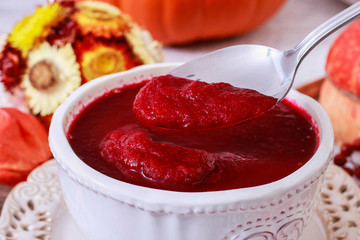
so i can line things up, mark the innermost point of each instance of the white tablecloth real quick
(293, 22)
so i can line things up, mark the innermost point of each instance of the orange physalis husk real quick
(23, 145)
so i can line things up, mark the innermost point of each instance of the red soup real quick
(108, 137)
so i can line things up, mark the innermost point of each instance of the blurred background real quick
(294, 20)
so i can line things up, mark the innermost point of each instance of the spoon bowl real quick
(267, 70)
(245, 66)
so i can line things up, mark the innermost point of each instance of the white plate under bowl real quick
(35, 209)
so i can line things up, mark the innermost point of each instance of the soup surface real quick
(108, 137)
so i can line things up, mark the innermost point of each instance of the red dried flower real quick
(12, 66)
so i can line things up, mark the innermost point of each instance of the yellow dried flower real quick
(101, 61)
(100, 19)
(32, 29)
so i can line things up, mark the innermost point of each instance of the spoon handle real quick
(322, 31)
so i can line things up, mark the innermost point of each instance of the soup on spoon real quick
(184, 104)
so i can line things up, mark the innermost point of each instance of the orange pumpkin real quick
(185, 21)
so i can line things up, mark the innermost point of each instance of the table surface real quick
(288, 27)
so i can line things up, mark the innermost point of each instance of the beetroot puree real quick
(179, 103)
(108, 137)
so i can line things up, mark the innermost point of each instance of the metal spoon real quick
(264, 69)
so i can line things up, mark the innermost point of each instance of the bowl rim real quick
(144, 197)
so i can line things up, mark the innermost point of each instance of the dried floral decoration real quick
(98, 57)
(100, 19)
(32, 29)
(63, 45)
(52, 75)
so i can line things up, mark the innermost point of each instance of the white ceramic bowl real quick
(108, 209)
